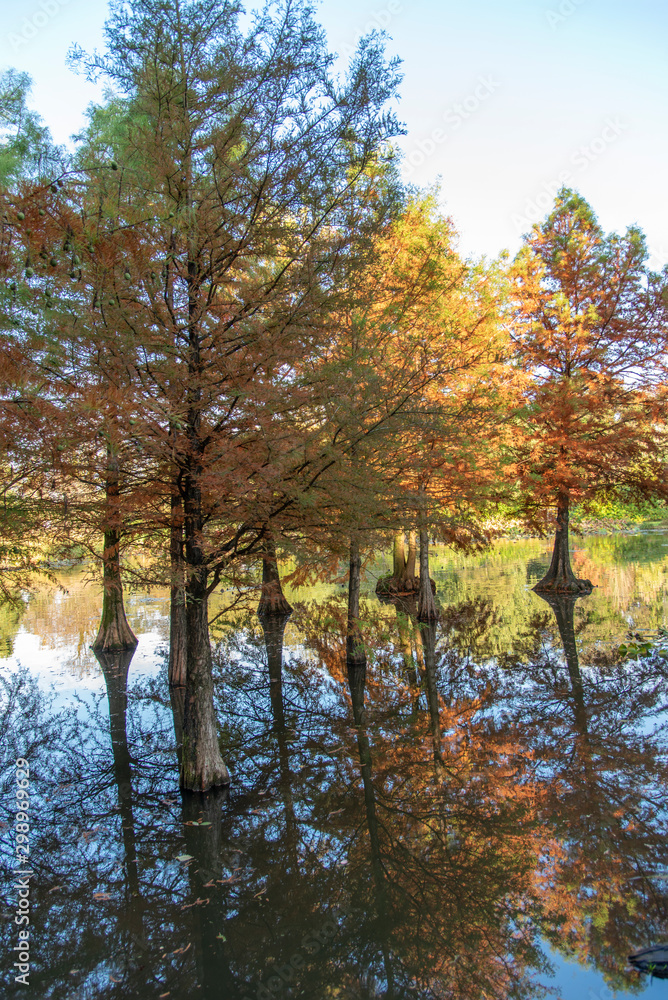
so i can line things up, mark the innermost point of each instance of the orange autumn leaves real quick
(589, 328)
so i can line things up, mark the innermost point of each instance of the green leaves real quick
(640, 646)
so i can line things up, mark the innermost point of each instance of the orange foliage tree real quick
(589, 323)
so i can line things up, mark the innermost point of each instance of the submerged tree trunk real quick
(426, 604)
(560, 578)
(563, 606)
(115, 668)
(212, 973)
(273, 601)
(356, 686)
(355, 654)
(177, 604)
(202, 766)
(273, 627)
(428, 632)
(114, 633)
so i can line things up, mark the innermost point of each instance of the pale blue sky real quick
(501, 100)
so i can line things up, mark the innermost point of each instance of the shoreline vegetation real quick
(631, 519)
(599, 519)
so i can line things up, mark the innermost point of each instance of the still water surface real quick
(480, 815)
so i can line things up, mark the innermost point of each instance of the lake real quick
(479, 814)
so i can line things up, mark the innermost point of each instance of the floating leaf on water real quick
(184, 857)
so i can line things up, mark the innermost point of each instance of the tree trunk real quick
(273, 601)
(403, 579)
(409, 571)
(355, 654)
(177, 604)
(114, 633)
(202, 766)
(399, 554)
(426, 605)
(177, 699)
(560, 578)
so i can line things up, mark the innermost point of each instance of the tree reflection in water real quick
(414, 828)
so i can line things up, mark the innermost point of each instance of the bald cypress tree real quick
(236, 151)
(590, 326)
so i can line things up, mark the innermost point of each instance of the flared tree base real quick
(114, 635)
(427, 610)
(201, 775)
(355, 654)
(392, 586)
(560, 578)
(563, 585)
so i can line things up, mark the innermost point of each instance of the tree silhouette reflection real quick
(386, 835)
